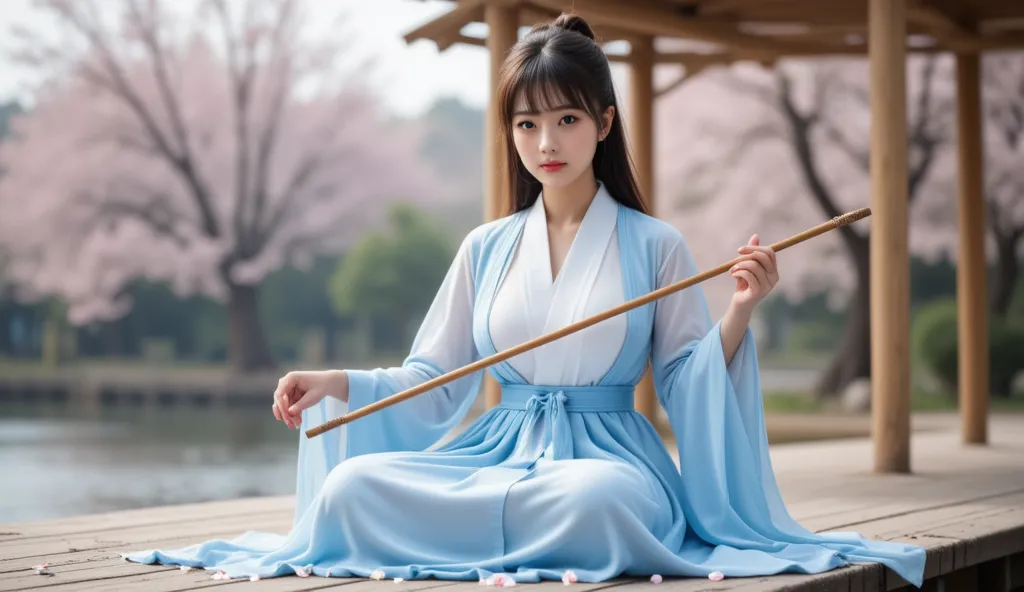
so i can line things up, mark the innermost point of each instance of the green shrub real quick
(935, 342)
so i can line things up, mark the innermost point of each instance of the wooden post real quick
(640, 129)
(503, 26)
(890, 259)
(972, 299)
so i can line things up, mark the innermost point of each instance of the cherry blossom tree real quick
(205, 149)
(778, 151)
(1003, 138)
(1003, 97)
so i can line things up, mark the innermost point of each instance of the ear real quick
(606, 122)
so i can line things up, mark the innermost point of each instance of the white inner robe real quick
(529, 304)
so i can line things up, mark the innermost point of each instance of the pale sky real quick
(410, 77)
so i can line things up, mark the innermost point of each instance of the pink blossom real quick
(656, 579)
(716, 576)
(106, 183)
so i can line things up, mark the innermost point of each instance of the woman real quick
(562, 476)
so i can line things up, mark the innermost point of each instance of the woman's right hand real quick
(302, 389)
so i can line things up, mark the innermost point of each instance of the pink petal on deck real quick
(656, 579)
(569, 577)
(716, 576)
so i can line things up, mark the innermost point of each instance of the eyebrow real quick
(558, 108)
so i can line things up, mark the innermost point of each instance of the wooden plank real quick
(965, 505)
(146, 516)
(144, 538)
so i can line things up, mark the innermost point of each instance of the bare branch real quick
(120, 88)
(857, 154)
(921, 135)
(156, 211)
(149, 35)
(800, 125)
(764, 94)
(267, 140)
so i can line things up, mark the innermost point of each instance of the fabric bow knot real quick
(559, 430)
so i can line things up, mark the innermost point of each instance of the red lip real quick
(552, 166)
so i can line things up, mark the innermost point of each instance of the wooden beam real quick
(531, 14)
(503, 25)
(481, 42)
(688, 74)
(645, 17)
(723, 7)
(947, 30)
(971, 277)
(640, 130)
(445, 29)
(890, 256)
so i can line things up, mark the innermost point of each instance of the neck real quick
(567, 205)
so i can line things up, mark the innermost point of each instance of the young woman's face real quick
(556, 145)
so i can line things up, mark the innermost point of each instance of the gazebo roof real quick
(761, 30)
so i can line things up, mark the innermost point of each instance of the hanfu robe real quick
(564, 474)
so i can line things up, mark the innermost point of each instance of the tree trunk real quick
(853, 358)
(1005, 279)
(247, 347)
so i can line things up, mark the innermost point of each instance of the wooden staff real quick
(832, 224)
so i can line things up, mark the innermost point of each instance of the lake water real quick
(59, 461)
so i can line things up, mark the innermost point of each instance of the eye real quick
(569, 119)
(523, 124)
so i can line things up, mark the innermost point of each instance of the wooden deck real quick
(966, 505)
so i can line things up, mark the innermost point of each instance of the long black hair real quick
(555, 63)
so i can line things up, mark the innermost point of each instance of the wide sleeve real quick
(444, 342)
(716, 412)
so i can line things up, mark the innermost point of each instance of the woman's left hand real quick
(755, 275)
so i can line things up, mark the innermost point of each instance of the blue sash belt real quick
(555, 403)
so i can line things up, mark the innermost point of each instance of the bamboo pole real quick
(832, 224)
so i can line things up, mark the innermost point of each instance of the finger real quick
(304, 402)
(750, 278)
(281, 401)
(761, 257)
(755, 268)
(757, 249)
(754, 240)
(277, 412)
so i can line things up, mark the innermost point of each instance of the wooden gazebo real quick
(766, 30)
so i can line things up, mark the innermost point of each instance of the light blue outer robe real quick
(559, 476)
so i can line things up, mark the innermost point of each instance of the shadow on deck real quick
(964, 504)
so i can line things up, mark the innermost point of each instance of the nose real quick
(548, 141)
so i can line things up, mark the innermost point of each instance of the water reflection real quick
(61, 461)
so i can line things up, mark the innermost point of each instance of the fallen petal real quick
(377, 574)
(656, 579)
(569, 577)
(254, 578)
(716, 576)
